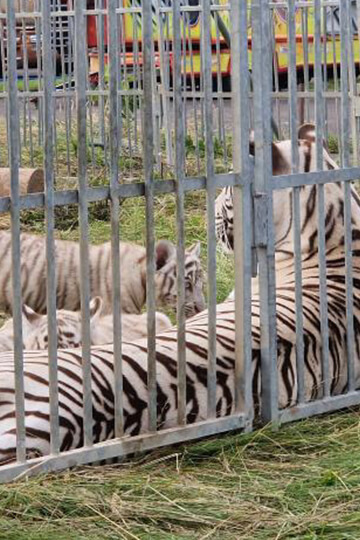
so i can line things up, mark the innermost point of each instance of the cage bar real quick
(149, 197)
(14, 157)
(80, 74)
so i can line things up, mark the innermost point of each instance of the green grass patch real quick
(333, 144)
(302, 482)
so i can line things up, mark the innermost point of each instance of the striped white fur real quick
(68, 324)
(132, 271)
(135, 355)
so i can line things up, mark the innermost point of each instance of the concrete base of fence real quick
(30, 181)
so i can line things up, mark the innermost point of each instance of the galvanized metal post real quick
(296, 203)
(80, 73)
(51, 287)
(115, 212)
(345, 150)
(319, 121)
(242, 209)
(210, 200)
(14, 158)
(148, 138)
(180, 214)
(264, 234)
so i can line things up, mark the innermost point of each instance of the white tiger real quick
(135, 355)
(132, 270)
(68, 325)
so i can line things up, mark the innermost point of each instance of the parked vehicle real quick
(28, 39)
(162, 24)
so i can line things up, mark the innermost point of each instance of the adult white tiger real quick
(284, 241)
(132, 268)
(68, 326)
(135, 354)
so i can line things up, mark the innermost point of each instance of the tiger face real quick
(68, 326)
(35, 328)
(283, 199)
(166, 282)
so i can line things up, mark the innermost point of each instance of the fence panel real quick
(79, 129)
(122, 100)
(336, 380)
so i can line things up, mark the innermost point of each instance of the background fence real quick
(129, 73)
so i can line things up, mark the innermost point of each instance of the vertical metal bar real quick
(296, 202)
(184, 62)
(121, 67)
(48, 71)
(193, 91)
(100, 26)
(14, 157)
(242, 208)
(115, 210)
(148, 138)
(180, 218)
(39, 74)
(321, 201)
(137, 75)
(345, 122)
(261, 64)
(80, 74)
(211, 194)
(358, 21)
(336, 78)
(68, 99)
(325, 72)
(220, 98)
(27, 105)
(164, 73)
(276, 74)
(305, 36)
(353, 90)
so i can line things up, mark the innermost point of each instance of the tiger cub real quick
(68, 323)
(132, 271)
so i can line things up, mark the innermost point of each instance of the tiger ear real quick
(279, 163)
(164, 251)
(195, 249)
(96, 305)
(30, 320)
(30, 315)
(307, 132)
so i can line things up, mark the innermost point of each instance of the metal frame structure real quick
(253, 192)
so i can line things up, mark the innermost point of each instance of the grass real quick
(302, 482)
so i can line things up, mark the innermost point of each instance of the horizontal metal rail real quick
(162, 187)
(124, 191)
(119, 11)
(117, 448)
(325, 405)
(315, 178)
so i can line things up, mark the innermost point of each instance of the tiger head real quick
(35, 328)
(166, 282)
(283, 200)
(68, 326)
